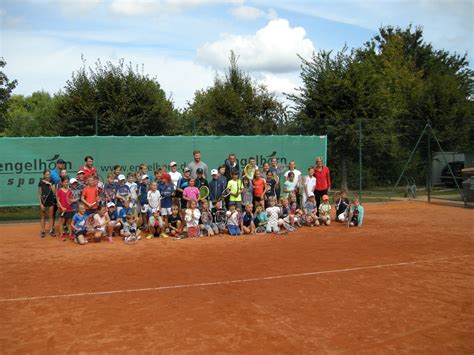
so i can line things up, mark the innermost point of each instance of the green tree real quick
(6, 89)
(234, 105)
(35, 115)
(124, 101)
(392, 85)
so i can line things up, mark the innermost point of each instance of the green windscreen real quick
(23, 160)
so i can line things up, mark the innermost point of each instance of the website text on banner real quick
(23, 160)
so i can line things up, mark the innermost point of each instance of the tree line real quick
(388, 89)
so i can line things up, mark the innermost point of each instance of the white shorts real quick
(165, 211)
(144, 208)
(342, 217)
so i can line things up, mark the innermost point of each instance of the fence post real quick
(360, 159)
(428, 174)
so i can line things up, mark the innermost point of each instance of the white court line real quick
(216, 283)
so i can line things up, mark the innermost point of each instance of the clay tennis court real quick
(404, 282)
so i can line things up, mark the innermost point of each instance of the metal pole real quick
(360, 159)
(96, 124)
(408, 162)
(428, 175)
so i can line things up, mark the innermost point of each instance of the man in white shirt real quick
(175, 175)
(196, 164)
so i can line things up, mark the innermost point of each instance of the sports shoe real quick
(150, 236)
(164, 235)
(139, 237)
(71, 236)
(63, 237)
(52, 233)
(111, 240)
(43, 234)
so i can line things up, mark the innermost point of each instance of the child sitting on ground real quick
(234, 221)
(325, 211)
(155, 224)
(129, 232)
(191, 217)
(261, 220)
(248, 225)
(342, 203)
(175, 223)
(311, 218)
(273, 213)
(356, 214)
(207, 226)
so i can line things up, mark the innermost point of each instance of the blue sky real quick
(185, 43)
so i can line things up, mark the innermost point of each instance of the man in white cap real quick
(216, 187)
(175, 175)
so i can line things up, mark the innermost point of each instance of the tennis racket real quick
(203, 193)
(350, 215)
(110, 193)
(68, 201)
(90, 224)
(46, 195)
(249, 171)
(225, 193)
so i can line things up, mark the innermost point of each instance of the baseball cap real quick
(173, 163)
(166, 176)
(199, 171)
(110, 204)
(121, 177)
(81, 172)
(145, 177)
(325, 197)
(187, 169)
(60, 161)
(214, 172)
(72, 181)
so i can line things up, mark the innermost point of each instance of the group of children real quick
(169, 203)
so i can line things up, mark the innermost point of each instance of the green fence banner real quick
(23, 160)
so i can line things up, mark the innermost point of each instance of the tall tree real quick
(6, 89)
(124, 101)
(234, 105)
(35, 115)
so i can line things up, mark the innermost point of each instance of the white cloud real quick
(273, 48)
(154, 7)
(247, 13)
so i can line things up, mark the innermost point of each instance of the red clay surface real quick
(422, 307)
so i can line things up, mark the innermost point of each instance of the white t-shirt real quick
(273, 212)
(234, 219)
(175, 177)
(99, 221)
(154, 198)
(297, 175)
(192, 217)
(309, 182)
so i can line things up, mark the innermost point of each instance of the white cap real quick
(214, 172)
(110, 204)
(72, 181)
(145, 176)
(121, 177)
(173, 163)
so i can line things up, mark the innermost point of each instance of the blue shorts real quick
(67, 215)
(234, 230)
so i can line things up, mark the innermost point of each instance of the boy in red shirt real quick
(323, 181)
(90, 195)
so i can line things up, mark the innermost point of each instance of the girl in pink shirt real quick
(191, 192)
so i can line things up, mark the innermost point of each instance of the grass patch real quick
(23, 213)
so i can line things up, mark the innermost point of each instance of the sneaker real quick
(150, 236)
(139, 237)
(71, 236)
(52, 233)
(63, 237)
(111, 240)
(164, 235)
(43, 234)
